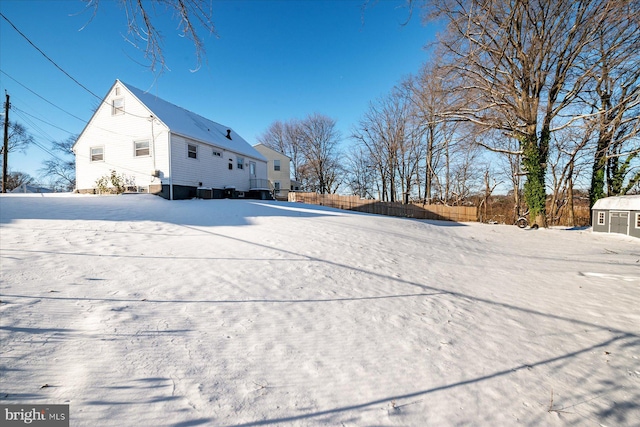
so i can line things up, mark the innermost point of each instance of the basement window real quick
(141, 148)
(97, 154)
(192, 151)
(600, 218)
(117, 106)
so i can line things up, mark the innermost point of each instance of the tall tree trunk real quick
(572, 220)
(534, 187)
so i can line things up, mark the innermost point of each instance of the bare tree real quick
(191, 15)
(360, 174)
(431, 98)
(517, 60)
(319, 146)
(614, 91)
(16, 179)
(61, 170)
(393, 141)
(19, 138)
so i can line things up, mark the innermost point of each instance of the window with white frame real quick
(117, 106)
(240, 162)
(141, 148)
(601, 218)
(638, 220)
(117, 90)
(192, 151)
(276, 165)
(217, 153)
(97, 154)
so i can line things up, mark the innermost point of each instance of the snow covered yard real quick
(139, 311)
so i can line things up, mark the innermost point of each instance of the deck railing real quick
(259, 184)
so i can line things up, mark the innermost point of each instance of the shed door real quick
(619, 222)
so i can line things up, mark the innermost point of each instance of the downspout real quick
(153, 144)
(170, 169)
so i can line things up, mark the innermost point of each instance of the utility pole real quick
(5, 146)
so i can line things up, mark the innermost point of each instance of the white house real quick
(278, 171)
(164, 149)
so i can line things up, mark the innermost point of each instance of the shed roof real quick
(186, 123)
(626, 203)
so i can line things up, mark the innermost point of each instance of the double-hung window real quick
(240, 162)
(276, 165)
(141, 148)
(97, 154)
(192, 151)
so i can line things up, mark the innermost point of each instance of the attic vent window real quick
(228, 133)
(117, 90)
(117, 106)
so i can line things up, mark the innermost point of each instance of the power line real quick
(43, 98)
(47, 57)
(43, 121)
(102, 101)
(43, 133)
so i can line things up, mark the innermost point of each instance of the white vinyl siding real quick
(117, 134)
(212, 171)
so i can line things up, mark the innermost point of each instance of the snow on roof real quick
(194, 126)
(627, 203)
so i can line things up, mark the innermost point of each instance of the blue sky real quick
(271, 60)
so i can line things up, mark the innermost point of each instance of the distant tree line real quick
(541, 96)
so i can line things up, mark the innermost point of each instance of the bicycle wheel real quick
(522, 222)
